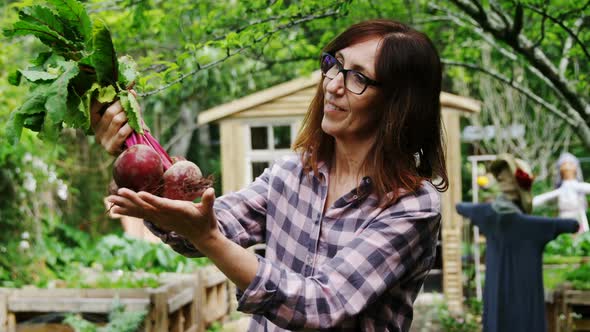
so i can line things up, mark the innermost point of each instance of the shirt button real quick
(309, 260)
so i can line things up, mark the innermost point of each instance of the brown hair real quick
(409, 146)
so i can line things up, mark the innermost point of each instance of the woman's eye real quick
(359, 78)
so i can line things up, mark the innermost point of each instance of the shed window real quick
(282, 137)
(259, 138)
(258, 168)
(268, 142)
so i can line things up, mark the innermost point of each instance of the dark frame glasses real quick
(354, 81)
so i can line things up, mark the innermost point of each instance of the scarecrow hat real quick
(523, 177)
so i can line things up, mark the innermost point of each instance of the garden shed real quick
(258, 128)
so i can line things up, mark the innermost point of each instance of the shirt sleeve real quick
(241, 217)
(390, 250)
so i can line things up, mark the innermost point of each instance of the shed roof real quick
(460, 103)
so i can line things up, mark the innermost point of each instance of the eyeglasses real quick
(354, 81)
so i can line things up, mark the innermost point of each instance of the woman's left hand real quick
(194, 221)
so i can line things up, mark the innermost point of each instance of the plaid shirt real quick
(355, 267)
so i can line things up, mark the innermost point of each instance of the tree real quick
(549, 39)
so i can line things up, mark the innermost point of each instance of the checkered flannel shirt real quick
(357, 267)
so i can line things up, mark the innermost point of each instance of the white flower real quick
(24, 245)
(52, 177)
(27, 157)
(40, 164)
(25, 235)
(30, 183)
(62, 190)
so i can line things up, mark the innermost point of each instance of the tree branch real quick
(230, 54)
(496, 8)
(574, 11)
(542, 37)
(472, 26)
(572, 117)
(567, 45)
(518, 20)
(560, 23)
(537, 58)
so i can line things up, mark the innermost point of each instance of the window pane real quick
(282, 137)
(259, 138)
(258, 167)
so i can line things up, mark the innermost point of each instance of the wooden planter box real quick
(216, 298)
(568, 310)
(183, 303)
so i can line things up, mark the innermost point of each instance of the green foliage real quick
(580, 277)
(215, 327)
(469, 321)
(569, 245)
(68, 251)
(120, 320)
(60, 79)
(553, 277)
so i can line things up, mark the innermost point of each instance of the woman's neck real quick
(349, 158)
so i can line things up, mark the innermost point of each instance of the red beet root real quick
(184, 181)
(139, 168)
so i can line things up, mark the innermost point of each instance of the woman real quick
(350, 223)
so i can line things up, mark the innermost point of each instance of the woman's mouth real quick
(332, 107)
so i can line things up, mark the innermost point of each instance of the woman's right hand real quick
(111, 128)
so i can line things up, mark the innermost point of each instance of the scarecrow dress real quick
(513, 291)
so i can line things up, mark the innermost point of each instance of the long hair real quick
(409, 147)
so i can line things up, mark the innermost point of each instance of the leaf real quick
(38, 75)
(14, 127)
(34, 122)
(57, 94)
(76, 116)
(127, 71)
(77, 20)
(14, 77)
(132, 110)
(104, 57)
(50, 130)
(35, 102)
(42, 58)
(106, 94)
(42, 23)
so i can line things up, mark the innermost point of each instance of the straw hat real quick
(523, 177)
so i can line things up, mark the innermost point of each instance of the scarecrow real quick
(570, 192)
(513, 291)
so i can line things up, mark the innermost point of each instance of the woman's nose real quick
(337, 85)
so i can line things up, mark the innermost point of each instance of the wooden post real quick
(452, 223)
(3, 309)
(158, 315)
(194, 316)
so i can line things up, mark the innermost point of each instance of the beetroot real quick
(145, 166)
(139, 168)
(184, 181)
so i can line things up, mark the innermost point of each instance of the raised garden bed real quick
(568, 310)
(184, 302)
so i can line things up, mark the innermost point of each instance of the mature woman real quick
(351, 222)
